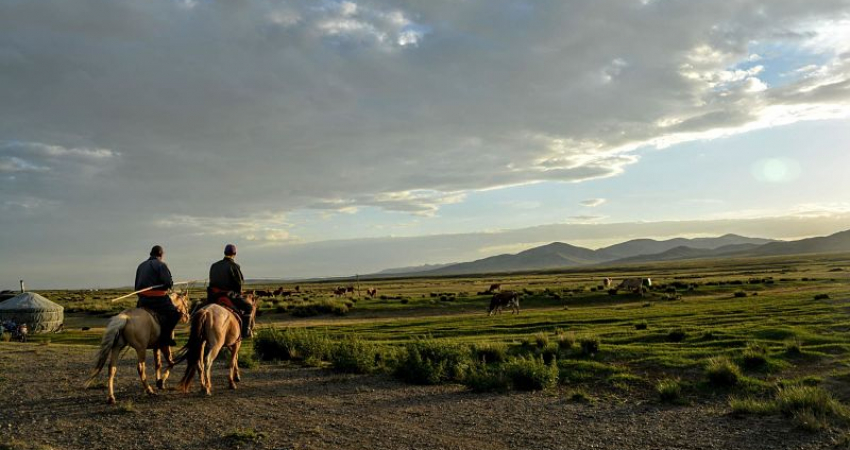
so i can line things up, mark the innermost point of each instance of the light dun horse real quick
(137, 328)
(212, 328)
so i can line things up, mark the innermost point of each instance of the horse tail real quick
(191, 352)
(110, 340)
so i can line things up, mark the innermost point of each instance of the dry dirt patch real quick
(284, 407)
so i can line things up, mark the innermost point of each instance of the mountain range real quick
(560, 255)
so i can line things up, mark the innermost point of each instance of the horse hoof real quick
(160, 384)
(237, 378)
(110, 401)
(233, 386)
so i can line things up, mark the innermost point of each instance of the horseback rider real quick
(226, 287)
(154, 273)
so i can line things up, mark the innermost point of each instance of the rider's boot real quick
(166, 335)
(246, 326)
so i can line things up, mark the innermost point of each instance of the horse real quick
(503, 299)
(137, 328)
(372, 292)
(212, 327)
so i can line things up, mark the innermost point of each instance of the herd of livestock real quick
(499, 301)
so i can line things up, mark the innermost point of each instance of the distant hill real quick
(683, 252)
(640, 247)
(556, 254)
(412, 269)
(559, 254)
(838, 242)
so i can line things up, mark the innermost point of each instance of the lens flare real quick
(776, 170)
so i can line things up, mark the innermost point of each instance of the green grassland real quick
(770, 324)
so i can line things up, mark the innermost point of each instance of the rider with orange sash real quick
(226, 287)
(154, 272)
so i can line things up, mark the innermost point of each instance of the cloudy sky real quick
(339, 137)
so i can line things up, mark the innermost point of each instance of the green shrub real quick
(793, 347)
(485, 378)
(490, 352)
(326, 306)
(353, 355)
(676, 336)
(541, 339)
(565, 341)
(722, 372)
(642, 325)
(589, 345)
(754, 358)
(549, 353)
(428, 361)
(810, 407)
(248, 359)
(531, 374)
(579, 396)
(669, 390)
(295, 344)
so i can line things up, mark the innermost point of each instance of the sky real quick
(330, 138)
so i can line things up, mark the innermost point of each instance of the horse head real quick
(255, 303)
(181, 301)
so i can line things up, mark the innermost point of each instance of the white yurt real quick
(40, 314)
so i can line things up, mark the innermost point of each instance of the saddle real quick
(222, 298)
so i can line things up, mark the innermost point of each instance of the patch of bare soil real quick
(284, 407)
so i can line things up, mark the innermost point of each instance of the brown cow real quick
(495, 287)
(372, 292)
(503, 299)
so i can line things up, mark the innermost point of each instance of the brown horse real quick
(212, 328)
(137, 328)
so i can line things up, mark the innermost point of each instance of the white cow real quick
(607, 282)
(635, 284)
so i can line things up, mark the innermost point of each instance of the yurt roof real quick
(29, 301)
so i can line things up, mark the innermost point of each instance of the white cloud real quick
(261, 227)
(592, 202)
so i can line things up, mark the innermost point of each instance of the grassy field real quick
(748, 333)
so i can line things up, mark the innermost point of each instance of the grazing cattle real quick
(607, 282)
(635, 284)
(339, 292)
(504, 299)
(372, 292)
(349, 289)
(261, 294)
(279, 291)
(297, 288)
(495, 287)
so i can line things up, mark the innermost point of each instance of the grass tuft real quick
(722, 372)
(669, 390)
(589, 345)
(244, 436)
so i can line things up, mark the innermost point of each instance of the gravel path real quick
(299, 408)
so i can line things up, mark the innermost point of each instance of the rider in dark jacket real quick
(226, 281)
(154, 272)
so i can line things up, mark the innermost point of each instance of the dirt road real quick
(284, 407)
